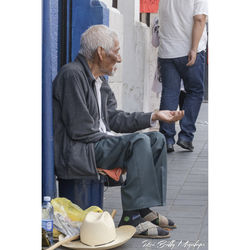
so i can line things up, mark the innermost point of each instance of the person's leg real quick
(193, 78)
(170, 95)
(144, 183)
(158, 147)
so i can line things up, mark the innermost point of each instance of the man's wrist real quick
(154, 116)
(194, 50)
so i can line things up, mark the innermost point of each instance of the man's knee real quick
(142, 137)
(157, 137)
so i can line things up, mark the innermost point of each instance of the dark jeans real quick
(143, 155)
(172, 70)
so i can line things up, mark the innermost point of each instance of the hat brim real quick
(123, 234)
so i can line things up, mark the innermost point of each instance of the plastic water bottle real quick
(47, 217)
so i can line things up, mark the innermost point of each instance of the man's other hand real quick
(191, 58)
(167, 115)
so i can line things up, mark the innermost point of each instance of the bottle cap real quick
(46, 198)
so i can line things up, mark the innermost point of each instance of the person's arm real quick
(198, 27)
(124, 122)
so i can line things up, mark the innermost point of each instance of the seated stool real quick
(84, 193)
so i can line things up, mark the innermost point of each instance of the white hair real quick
(94, 37)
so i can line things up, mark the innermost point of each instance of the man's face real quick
(108, 66)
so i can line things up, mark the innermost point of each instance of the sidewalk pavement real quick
(187, 196)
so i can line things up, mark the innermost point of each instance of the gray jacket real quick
(76, 120)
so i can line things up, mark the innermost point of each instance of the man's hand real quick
(167, 115)
(191, 58)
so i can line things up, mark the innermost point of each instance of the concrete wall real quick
(133, 80)
(154, 98)
(108, 3)
(116, 23)
(139, 60)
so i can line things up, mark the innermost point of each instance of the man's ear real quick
(100, 53)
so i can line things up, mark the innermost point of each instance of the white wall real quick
(116, 23)
(133, 81)
(139, 61)
(107, 2)
(132, 64)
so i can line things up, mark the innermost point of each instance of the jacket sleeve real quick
(124, 122)
(79, 124)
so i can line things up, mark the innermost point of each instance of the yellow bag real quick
(71, 210)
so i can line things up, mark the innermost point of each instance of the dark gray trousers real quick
(143, 155)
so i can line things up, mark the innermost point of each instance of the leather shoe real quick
(186, 145)
(170, 148)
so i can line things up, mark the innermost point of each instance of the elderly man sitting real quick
(85, 115)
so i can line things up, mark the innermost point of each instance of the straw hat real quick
(98, 232)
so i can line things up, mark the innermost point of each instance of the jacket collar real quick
(87, 70)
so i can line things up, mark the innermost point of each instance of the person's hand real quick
(167, 115)
(191, 57)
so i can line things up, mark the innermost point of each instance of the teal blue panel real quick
(84, 14)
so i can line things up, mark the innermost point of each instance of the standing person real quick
(85, 115)
(183, 39)
(157, 82)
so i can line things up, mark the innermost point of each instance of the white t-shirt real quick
(176, 23)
